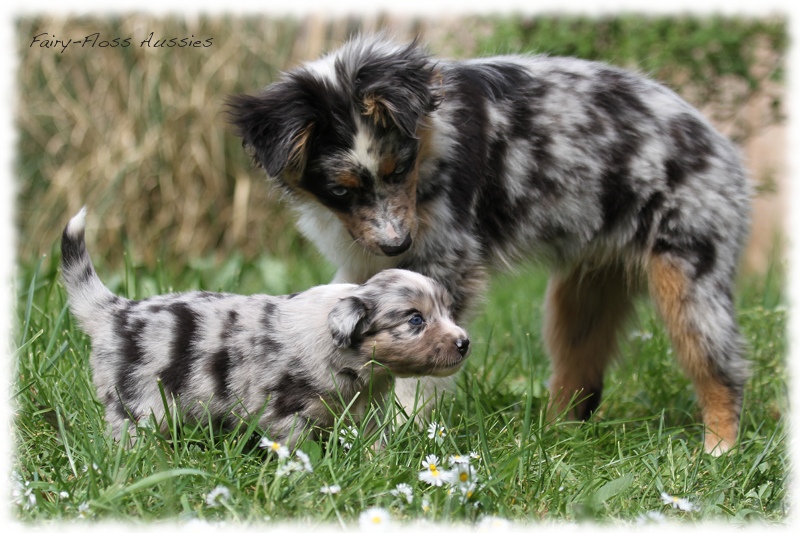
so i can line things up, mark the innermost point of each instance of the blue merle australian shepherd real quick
(392, 158)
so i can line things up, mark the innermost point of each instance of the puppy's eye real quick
(338, 190)
(416, 320)
(399, 169)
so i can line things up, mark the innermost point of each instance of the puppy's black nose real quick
(463, 346)
(399, 249)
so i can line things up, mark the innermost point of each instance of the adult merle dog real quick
(392, 158)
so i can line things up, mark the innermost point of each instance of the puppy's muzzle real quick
(462, 345)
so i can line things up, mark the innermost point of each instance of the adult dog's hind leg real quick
(699, 315)
(584, 311)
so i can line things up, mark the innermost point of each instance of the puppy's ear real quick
(276, 125)
(346, 320)
(397, 88)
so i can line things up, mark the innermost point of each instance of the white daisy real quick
(347, 437)
(303, 456)
(437, 432)
(678, 503)
(279, 449)
(287, 467)
(462, 474)
(642, 335)
(475, 455)
(431, 461)
(218, 496)
(22, 493)
(83, 510)
(374, 518)
(468, 490)
(436, 478)
(432, 473)
(459, 460)
(426, 505)
(650, 517)
(403, 490)
(493, 523)
(330, 489)
(31, 503)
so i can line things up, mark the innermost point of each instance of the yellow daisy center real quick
(376, 519)
(433, 468)
(463, 476)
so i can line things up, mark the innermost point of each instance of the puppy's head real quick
(401, 319)
(346, 131)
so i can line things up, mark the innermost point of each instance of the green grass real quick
(645, 439)
(141, 136)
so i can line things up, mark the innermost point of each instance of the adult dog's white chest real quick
(321, 226)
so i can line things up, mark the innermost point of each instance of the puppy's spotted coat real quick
(449, 168)
(295, 361)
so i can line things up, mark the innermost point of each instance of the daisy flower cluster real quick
(23, 494)
(459, 473)
(287, 465)
(461, 476)
(456, 474)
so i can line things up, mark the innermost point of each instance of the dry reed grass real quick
(139, 134)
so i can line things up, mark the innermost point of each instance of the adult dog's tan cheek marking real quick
(362, 226)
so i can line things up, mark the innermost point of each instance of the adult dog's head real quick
(345, 131)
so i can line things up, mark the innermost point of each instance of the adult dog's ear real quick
(276, 125)
(398, 87)
(347, 320)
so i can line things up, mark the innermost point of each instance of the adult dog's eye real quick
(338, 190)
(416, 320)
(399, 169)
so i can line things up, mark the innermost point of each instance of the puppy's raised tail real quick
(86, 294)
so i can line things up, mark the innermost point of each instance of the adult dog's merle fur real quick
(448, 168)
(293, 362)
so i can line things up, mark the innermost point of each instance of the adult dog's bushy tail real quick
(86, 293)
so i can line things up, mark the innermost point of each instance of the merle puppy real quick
(449, 168)
(294, 361)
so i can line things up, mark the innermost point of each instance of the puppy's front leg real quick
(418, 396)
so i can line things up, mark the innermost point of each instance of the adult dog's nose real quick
(391, 250)
(463, 346)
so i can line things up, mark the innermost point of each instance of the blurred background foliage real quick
(139, 135)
